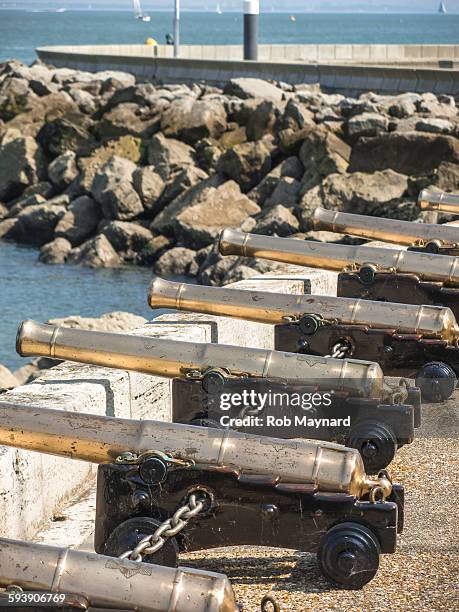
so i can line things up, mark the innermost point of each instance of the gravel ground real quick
(424, 572)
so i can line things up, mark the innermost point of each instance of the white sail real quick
(442, 8)
(219, 9)
(138, 11)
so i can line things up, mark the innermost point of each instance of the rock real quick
(153, 250)
(257, 117)
(435, 126)
(23, 203)
(176, 261)
(238, 273)
(246, 88)
(276, 220)
(247, 164)
(447, 177)
(235, 135)
(126, 147)
(20, 166)
(168, 155)
(201, 223)
(323, 152)
(377, 194)
(286, 193)
(181, 181)
(86, 102)
(43, 188)
(96, 253)
(7, 379)
(3, 212)
(191, 120)
(15, 98)
(55, 252)
(367, 124)
(407, 152)
(128, 239)
(207, 154)
(114, 190)
(126, 119)
(297, 116)
(63, 170)
(8, 229)
(27, 373)
(291, 167)
(79, 221)
(111, 322)
(402, 108)
(65, 134)
(143, 95)
(430, 105)
(149, 185)
(36, 224)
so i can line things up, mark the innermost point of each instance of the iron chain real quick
(339, 351)
(171, 527)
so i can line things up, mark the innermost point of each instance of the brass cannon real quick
(373, 417)
(82, 580)
(165, 487)
(422, 237)
(405, 340)
(371, 273)
(439, 201)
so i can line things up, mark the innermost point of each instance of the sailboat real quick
(138, 12)
(219, 9)
(442, 8)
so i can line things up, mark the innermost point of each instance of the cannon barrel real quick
(276, 308)
(386, 230)
(439, 201)
(174, 359)
(101, 439)
(117, 584)
(341, 257)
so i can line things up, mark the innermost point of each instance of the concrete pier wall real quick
(35, 488)
(350, 69)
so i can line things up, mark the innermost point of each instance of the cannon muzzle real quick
(341, 257)
(101, 439)
(106, 582)
(174, 359)
(386, 230)
(439, 201)
(277, 308)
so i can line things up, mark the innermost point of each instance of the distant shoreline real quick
(233, 11)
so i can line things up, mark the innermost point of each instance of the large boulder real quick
(149, 185)
(182, 181)
(201, 223)
(289, 168)
(405, 152)
(286, 192)
(322, 152)
(36, 224)
(176, 261)
(128, 239)
(168, 155)
(79, 221)
(377, 194)
(297, 116)
(126, 147)
(435, 126)
(114, 190)
(258, 118)
(16, 98)
(96, 253)
(63, 170)
(7, 379)
(246, 88)
(55, 252)
(191, 120)
(276, 220)
(67, 133)
(20, 165)
(367, 124)
(447, 177)
(126, 119)
(247, 164)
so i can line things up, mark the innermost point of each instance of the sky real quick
(290, 5)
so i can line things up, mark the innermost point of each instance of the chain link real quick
(168, 529)
(339, 350)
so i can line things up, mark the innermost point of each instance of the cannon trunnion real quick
(347, 534)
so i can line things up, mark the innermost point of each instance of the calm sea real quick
(31, 290)
(21, 31)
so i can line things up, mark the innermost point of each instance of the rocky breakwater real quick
(100, 170)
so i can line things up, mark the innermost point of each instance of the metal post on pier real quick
(177, 29)
(251, 15)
